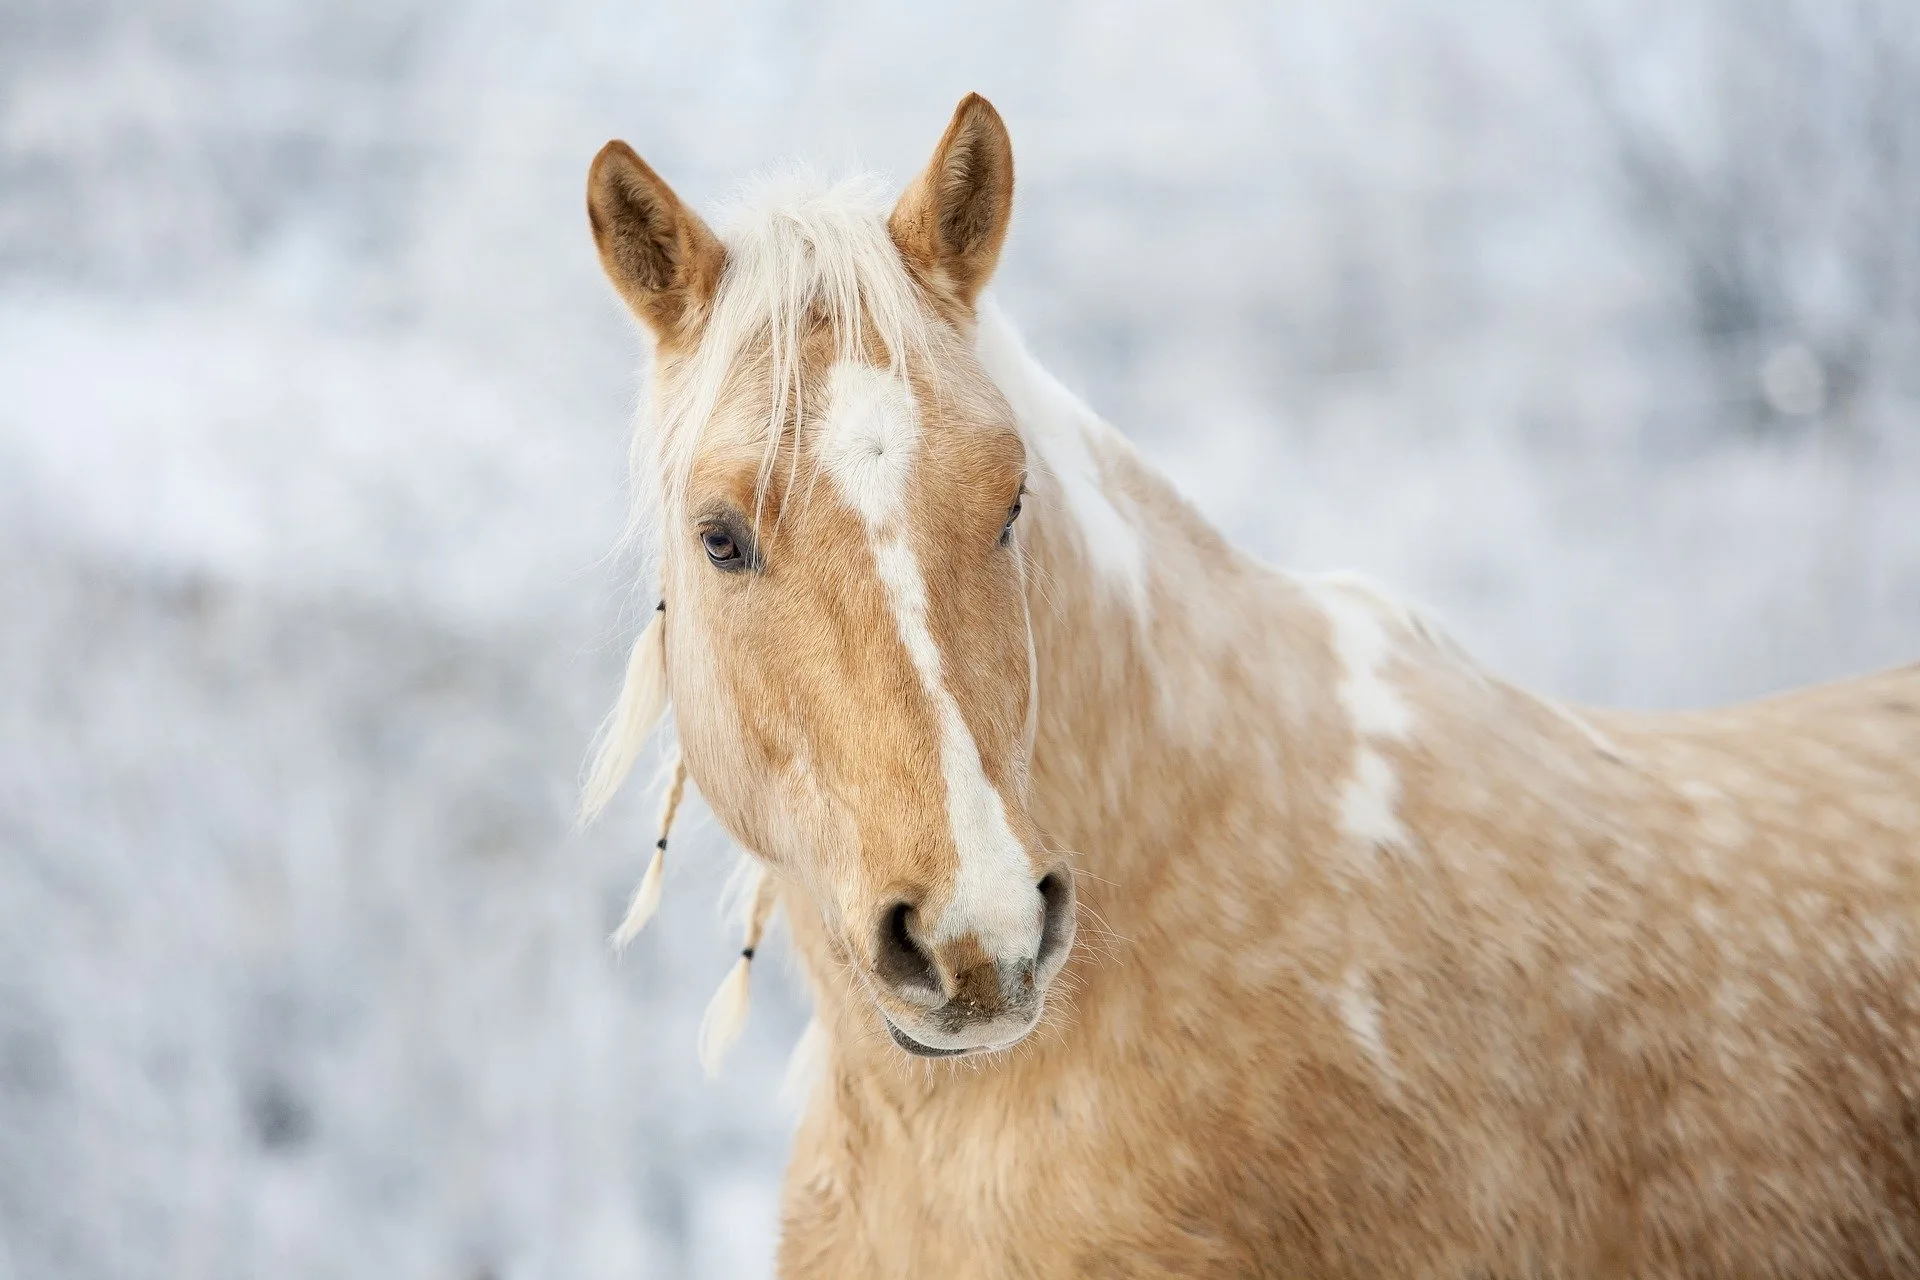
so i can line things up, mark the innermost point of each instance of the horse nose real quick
(963, 978)
(1056, 926)
(903, 961)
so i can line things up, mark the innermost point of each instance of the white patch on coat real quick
(870, 437)
(1368, 802)
(1423, 627)
(1361, 642)
(1416, 622)
(1360, 1012)
(1064, 433)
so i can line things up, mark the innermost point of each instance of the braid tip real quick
(726, 1015)
(645, 901)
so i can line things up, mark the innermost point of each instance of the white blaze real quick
(870, 441)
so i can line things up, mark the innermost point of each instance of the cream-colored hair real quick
(801, 252)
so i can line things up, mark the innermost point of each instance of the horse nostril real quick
(899, 958)
(1056, 927)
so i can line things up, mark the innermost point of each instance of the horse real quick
(1166, 913)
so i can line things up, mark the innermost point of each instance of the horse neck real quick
(1169, 665)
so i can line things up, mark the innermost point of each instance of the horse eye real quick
(1013, 513)
(721, 549)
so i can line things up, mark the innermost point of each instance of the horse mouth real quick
(919, 1050)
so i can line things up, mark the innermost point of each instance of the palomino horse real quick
(1387, 967)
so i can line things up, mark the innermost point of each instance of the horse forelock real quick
(811, 271)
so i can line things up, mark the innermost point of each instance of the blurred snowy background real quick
(1595, 327)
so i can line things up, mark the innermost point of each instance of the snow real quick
(312, 419)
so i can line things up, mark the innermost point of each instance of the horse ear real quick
(657, 252)
(952, 219)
